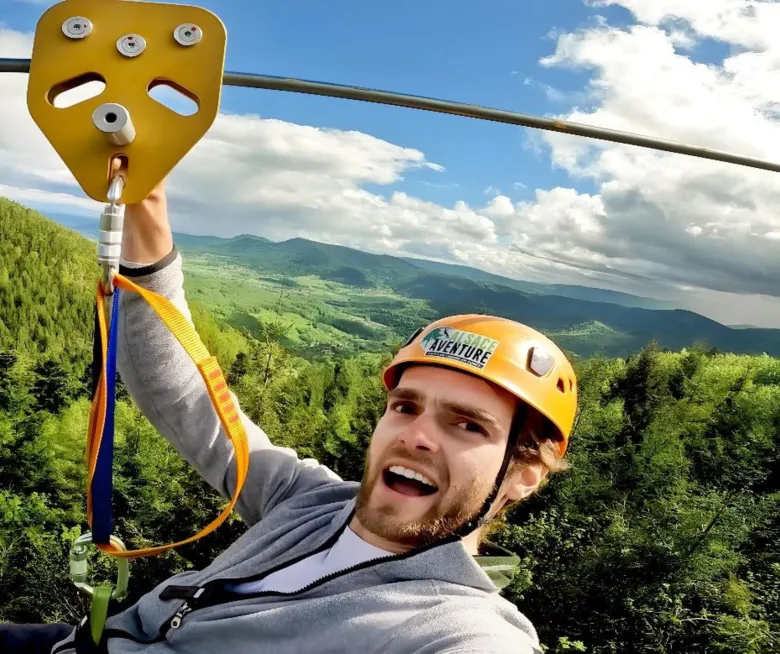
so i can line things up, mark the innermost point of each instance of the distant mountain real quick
(474, 274)
(586, 320)
(629, 328)
(583, 325)
(300, 257)
(346, 265)
(208, 243)
(356, 268)
(564, 290)
(605, 295)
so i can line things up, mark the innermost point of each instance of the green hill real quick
(359, 275)
(330, 297)
(47, 281)
(300, 257)
(374, 290)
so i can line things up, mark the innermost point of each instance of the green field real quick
(307, 314)
(327, 298)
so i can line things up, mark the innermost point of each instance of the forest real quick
(662, 537)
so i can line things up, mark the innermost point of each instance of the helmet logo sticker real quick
(464, 347)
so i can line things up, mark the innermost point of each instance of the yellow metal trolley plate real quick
(163, 137)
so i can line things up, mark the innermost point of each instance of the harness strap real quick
(101, 413)
(102, 481)
(99, 612)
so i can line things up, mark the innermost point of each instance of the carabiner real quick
(79, 568)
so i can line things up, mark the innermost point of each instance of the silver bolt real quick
(131, 45)
(77, 27)
(188, 34)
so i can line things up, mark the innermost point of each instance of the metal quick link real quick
(110, 237)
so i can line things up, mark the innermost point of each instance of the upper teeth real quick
(411, 474)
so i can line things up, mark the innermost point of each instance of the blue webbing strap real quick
(102, 481)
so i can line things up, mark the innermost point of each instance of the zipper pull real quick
(181, 592)
(179, 617)
(190, 593)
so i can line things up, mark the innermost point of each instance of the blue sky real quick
(448, 49)
(524, 203)
(452, 50)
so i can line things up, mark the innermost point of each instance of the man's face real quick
(452, 429)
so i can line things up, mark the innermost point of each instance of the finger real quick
(118, 164)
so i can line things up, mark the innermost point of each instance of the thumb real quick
(118, 165)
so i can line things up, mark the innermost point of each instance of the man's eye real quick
(403, 407)
(472, 426)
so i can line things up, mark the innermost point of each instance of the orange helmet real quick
(509, 354)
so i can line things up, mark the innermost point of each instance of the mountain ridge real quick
(630, 327)
(297, 244)
(449, 289)
(564, 290)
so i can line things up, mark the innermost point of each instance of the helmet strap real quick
(518, 422)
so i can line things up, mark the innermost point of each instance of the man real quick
(479, 412)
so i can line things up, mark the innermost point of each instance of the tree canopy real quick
(662, 537)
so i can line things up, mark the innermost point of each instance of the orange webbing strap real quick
(97, 411)
(215, 383)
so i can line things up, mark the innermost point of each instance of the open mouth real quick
(408, 482)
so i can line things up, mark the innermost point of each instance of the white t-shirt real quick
(347, 551)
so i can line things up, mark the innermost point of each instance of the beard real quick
(443, 518)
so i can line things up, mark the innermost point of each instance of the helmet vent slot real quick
(561, 385)
(540, 362)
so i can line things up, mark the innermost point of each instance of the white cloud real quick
(285, 180)
(25, 155)
(500, 207)
(258, 175)
(657, 216)
(655, 221)
(751, 25)
(61, 201)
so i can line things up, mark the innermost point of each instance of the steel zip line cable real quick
(294, 85)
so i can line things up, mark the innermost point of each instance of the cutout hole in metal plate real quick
(174, 97)
(76, 90)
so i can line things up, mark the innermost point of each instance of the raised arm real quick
(167, 387)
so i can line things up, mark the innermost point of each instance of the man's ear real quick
(523, 481)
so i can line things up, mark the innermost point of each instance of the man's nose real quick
(421, 435)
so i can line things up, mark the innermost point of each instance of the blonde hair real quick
(533, 449)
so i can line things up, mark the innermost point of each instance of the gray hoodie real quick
(433, 600)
